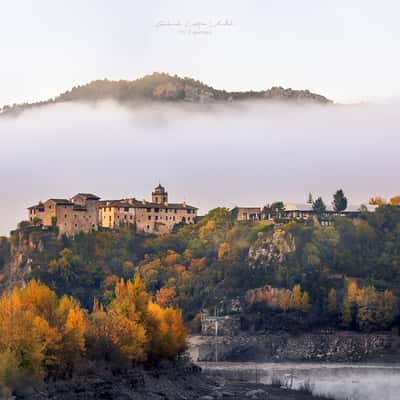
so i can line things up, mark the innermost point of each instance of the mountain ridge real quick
(163, 87)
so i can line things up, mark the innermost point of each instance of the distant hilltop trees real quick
(163, 87)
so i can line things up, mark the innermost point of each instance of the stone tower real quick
(159, 195)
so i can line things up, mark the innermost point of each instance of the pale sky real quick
(345, 50)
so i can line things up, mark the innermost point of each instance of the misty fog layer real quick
(339, 381)
(207, 155)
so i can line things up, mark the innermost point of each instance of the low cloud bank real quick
(241, 154)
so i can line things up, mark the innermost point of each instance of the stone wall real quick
(334, 347)
(220, 326)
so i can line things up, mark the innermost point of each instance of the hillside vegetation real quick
(161, 87)
(345, 275)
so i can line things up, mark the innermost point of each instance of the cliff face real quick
(272, 248)
(335, 347)
(18, 253)
(17, 263)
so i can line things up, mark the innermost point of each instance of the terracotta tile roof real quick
(133, 203)
(61, 201)
(89, 196)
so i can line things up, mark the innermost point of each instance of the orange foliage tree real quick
(43, 335)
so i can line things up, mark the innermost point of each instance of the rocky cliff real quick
(16, 253)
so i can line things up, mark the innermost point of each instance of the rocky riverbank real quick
(334, 347)
(173, 381)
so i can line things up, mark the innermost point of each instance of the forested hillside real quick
(346, 275)
(162, 87)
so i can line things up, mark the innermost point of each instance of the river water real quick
(340, 381)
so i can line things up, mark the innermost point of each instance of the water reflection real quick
(340, 381)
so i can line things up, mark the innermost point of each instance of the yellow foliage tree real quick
(395, 201)
(166, 330)
(352, 292)
(284, 300)
(207, 228)
(377, 201)
(223, 250)
(296, 302)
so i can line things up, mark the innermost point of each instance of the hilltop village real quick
(85, 212)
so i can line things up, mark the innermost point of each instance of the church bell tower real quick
(159, 195)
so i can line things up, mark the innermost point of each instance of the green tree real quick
(319, 206)
(305, 302)
(331, 305)
(339, 201)
(388, 308)
(347, 318)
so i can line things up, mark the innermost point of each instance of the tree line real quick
(43, 336)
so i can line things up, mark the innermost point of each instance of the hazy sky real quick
(346, 50)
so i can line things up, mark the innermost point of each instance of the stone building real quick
(158, 216)
(84, 212)
(294, 211)
(247, 213)
(79, 214)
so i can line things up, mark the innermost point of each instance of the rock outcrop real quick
(271, 248)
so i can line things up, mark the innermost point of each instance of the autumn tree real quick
(395, 200)
(296, 303)
(352, 292)
(284, 300)
(167, 333)
(377, 201)
(165, 297)
(223, 250)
